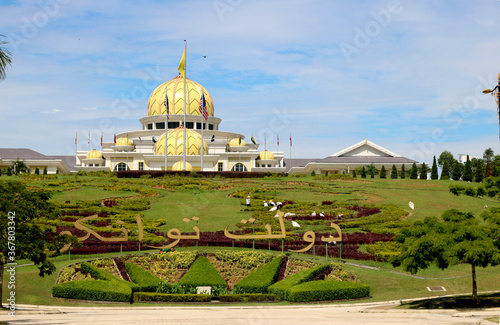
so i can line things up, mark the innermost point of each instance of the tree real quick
(403, 171)
(457, 173)
(372, 170)
(45, 170)
(467, 176)
(354, 173)
(20, 167)
(479, 173)
(363, 172)
(458, 239)
(8, 171)
(19, 208)
(488, 155)
(414, 171)
(383, 173)
(495, 166)
(5, 58)
(446, 156)
(434, 169)
(423, 171)
(37, 171)
(445, 173)
(394, 172)
(487, 171)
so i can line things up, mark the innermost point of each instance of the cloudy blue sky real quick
(408, 74)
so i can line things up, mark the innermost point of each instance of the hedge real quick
(146, 281)
(98, 290)
(328, 290)
(166, 297)
(281, 288)
(259, 280)
(202, 273)
(248, 297)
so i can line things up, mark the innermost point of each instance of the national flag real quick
(239, 141)
(203, 106)
(167, 109)
(154, 139)
(89, 139)
(213, 138)
(114, 140)
(253, 140)
(76, 134)
(278, 139)
(101, 139)
(290, 140)
(182, 64)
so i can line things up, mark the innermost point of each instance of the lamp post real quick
(496, 91)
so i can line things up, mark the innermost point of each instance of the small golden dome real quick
(236, 142)
(124, 142)
(175, 143)
(178, 166)
(266, 155)
(94, 154)
(175, 91)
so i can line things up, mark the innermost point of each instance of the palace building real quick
(145, 149)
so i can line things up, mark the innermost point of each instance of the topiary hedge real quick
(328, 290)
(202, 273)
(281, 288)
(248, 297)
(165, 297)
(146, 281)
(259, 280)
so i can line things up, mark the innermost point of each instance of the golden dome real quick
(176, 143)
(94, 154)
(266, 155)
(179, 166)
(124, 142)
(236, 142)
(175, 91)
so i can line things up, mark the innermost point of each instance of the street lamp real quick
(496, 91)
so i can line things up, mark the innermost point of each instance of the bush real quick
(97, 290)
(248, 297)
(328, 290)
(202, 273)
(146, 281)
(259, 280)
(281, 288)
(165, 297)
(383, 251)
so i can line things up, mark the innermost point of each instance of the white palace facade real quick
(145, 149)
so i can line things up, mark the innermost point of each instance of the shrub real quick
(175, 288)
(146, 281)
(328, 290)
(202, 273)
(259, 280)
(281, 288)
(248, 297)
(98, 290)
(383, 251)
(164, 297)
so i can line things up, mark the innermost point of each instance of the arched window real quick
(121, 166)
(239, 167)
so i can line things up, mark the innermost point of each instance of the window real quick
(189, 125)
(121, 166)
(210, 126)
(198, 125)
(160, 125)
(91, 165)
(173, 125)
(239, 167)
(150, 126)
(220, 167)
(141, 165)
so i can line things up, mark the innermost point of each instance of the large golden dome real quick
(266, 155)
(237, 142)
(124, 142)
(175, 91)
(180, 166)
(94, 154)
(175, 143)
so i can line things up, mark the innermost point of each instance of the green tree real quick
(488, 155)
(403, 171)
(423, 171)
(20, 167)
(37, 171)
(414, 171)
(5, 58)
(383, 173)
(434, 169)
(446, 156)
(495, 166)
(8, 171)
(458, 239)
(467, 176)
(363, 172)
(394, 172)
(19, 208)
(479, 172)
(487, 171)
(457, 173)
(354, 173)
(45, 170)
(445, 173)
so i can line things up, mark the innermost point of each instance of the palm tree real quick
(5, 58)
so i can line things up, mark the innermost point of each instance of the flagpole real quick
(166, 129)
(202, 126)
(185, 100)
(278, 149)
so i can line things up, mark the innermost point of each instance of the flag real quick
(140, 139)
(290, 140)
(182, 64)
(278, 137)
(239, 141)
(213, 138)
(167, 109)
(203, 106)
(101, 139)
(114, 140)
(89, 139)
(253, 140)
(75, 137)
(154, 139)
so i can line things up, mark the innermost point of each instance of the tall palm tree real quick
(5, 58)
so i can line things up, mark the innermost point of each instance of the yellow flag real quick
(182, 64)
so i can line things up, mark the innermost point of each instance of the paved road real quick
(222, 315)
